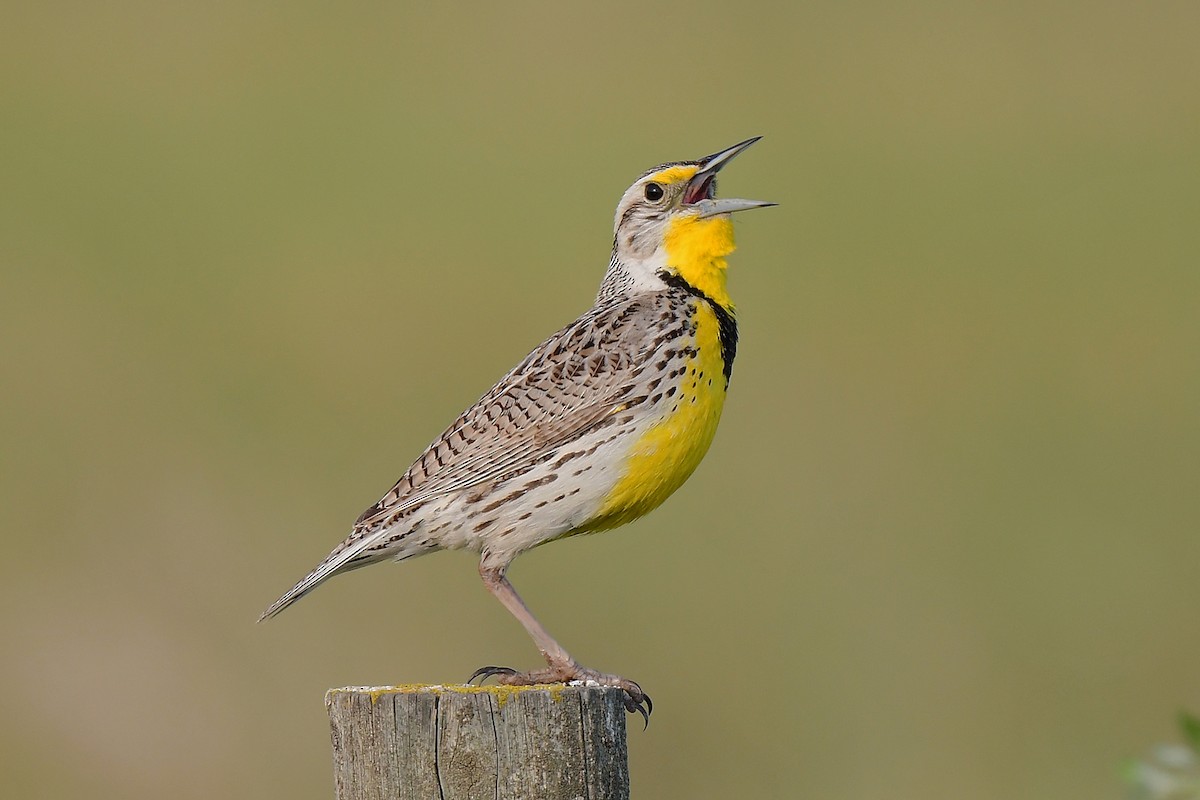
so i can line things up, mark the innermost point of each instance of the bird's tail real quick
(333, 565)
(350, 555)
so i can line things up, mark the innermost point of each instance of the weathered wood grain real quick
(420, 742)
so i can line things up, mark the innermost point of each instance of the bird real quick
(594, 428)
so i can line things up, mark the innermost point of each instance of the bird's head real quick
(670, 220)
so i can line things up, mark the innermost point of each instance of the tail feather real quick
(350, 558)
(344, 559)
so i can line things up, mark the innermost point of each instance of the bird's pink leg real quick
(562, 667)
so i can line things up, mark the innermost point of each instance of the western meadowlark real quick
(594, 428)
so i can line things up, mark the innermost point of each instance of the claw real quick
(632, 704)
(639, 701)
(483, 673)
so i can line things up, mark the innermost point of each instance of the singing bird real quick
(594, 428)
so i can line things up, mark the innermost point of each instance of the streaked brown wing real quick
(562, 389)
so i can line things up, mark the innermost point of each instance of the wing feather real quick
(568, 384)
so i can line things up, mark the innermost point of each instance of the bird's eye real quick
(654, 192)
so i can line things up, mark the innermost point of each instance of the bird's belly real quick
(556, 498)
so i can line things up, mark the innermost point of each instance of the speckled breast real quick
(686, 395)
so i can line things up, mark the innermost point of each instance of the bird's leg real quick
(502, 590)
(562, 667)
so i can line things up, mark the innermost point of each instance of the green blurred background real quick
(256, 255)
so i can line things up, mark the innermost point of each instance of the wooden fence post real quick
(421, 742)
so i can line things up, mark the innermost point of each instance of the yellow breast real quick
(668, 453)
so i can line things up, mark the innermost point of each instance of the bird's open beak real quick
(702, 186)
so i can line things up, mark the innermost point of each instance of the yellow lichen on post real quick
(500, 692)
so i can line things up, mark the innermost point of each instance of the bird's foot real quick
(635, 698)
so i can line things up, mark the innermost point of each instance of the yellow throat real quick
(696, 248)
